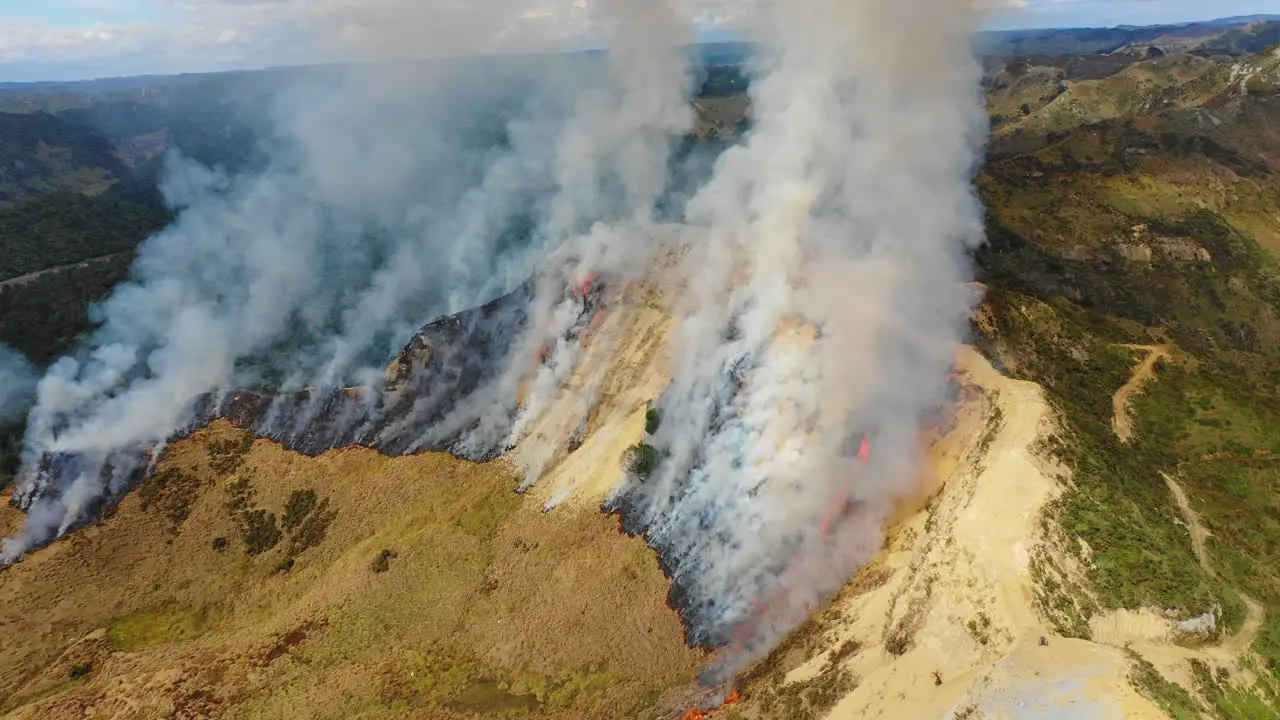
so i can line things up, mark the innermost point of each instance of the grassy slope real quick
(1168, 157)
(483, 605)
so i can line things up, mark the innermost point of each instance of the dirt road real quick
(1142, 372)
(1231, 647)
(24, 279)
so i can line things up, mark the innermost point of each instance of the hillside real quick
(1096, 537)
(1239, 34)
(40, 153)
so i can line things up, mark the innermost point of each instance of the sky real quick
(76, 39)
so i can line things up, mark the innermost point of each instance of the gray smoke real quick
(825, 301)
(395, 192)
(17, 384)
(823, 270)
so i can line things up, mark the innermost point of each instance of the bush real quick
(301, 502)
(382, 563)
(312, 529)
(78, 671)
(261, 533)
(220, 544)
(173, 492)
(652, 419)
(226, 456)
(642, 459)
(239, 495)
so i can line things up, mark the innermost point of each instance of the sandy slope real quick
(1231, 648)
(960, 588)
(1142, 372)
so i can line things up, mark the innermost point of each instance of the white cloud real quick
(220, 34)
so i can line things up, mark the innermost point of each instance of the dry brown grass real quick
(490, 607)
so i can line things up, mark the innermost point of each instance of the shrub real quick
(261, 533)
(301, 502)
(652, 419)
(173, 492)
(641, 460)
(226, 456)
(382, 563)
(239, 495)
(312, 529)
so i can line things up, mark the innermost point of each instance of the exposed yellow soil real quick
(1231, 648)
(1142, 372)
(944, 622)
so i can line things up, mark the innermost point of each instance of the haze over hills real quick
(1102, 473)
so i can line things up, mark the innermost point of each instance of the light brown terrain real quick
(436, 591)
(488, 604)
(1142, 372)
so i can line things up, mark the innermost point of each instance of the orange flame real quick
(864, 450)
(699, 714)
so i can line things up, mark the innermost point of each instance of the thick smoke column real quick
(17, 383)
(393, 194)
(823, 268)
(826, 300)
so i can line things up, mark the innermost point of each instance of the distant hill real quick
(40, 153)
(1243, 34)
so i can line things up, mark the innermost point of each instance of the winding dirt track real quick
(1142, 372)
(24, 279)
(1236, 645)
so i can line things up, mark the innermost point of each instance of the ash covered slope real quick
(443, 393)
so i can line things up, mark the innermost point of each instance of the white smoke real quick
(394, 193)
(826, 299)
(17, 383)
(823, 266)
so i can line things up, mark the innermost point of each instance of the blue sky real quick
(70, 39)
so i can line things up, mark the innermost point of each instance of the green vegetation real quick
(173, 492)
(11, 437)
(227, 455)
(299, 505)
(239, 496)
(810, 699)
(304, 521)
(1228, 702)
(61, 300)
(1168, 696)
(40, 153)
(1109, 231)
(641, 460)
(141, 630)
(652, 420)
(64, 228)
(311, 530)
(260, 531)
(382, 563)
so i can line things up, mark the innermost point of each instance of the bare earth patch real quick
(1142, 372)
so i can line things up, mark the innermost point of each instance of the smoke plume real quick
(826, 298)
(394, 193)
(822, 268)
(17, 384)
